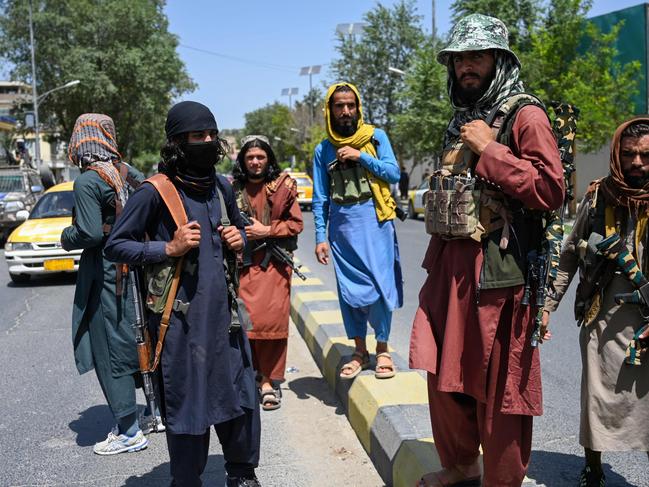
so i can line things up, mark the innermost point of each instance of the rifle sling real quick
(171, 198)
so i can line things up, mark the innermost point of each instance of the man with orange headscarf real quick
(103, 311)
(352, 172)
(614, 399)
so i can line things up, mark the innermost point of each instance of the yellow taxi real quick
(417, 200)
(34, 248)
(304, 189)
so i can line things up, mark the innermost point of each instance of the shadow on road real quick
(160, 477)
(63, 279)
(306, 387)
(92, 425)
(555, 469)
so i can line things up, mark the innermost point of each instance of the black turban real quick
(189, 116)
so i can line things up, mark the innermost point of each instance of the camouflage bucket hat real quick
(477, 32)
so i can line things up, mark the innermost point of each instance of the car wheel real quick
(19, 278)
(411, 211)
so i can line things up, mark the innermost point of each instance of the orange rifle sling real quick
(170, 196)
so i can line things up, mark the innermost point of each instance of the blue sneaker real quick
(115, 444)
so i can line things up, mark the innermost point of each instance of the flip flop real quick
(385, 371)
(270, 400)
(353, 365)
(424, 481)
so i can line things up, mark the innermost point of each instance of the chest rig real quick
(460, 205)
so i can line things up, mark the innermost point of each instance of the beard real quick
(346, 126)
(470, 95)
(636, 182)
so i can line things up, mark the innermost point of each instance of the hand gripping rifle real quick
(273, 250)
(544, 265)
(143, 342)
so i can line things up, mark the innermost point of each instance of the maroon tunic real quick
(453, 335)
(267, 292)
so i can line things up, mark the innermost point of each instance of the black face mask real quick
(200, 157)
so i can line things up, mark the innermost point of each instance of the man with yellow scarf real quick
(352, 172)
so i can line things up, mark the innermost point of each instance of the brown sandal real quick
(436, 478)
(359, 362)
(385, 371)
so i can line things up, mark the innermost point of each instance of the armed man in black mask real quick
(206, 375)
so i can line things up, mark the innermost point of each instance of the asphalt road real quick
(557, 457)
(50, 417)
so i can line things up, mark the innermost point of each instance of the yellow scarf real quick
(362, 140)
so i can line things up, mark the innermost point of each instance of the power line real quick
(277, 67)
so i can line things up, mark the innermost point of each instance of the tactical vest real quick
(243, 203)
(460, 205)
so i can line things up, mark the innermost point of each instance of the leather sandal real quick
(384, 371)
(270, 399)
(359, 362)
(436, 479)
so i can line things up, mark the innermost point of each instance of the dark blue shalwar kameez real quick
(206, 371)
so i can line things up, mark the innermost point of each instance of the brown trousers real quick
(269, 357)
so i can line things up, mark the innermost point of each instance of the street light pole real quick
(289, 92)
(37, 134)
(311, 70)
(434, 31)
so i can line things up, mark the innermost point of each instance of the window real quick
(52, 205)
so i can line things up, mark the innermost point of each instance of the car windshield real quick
(303, 182)
(10, 183)
(52, 205)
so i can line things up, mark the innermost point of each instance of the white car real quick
(34, 248)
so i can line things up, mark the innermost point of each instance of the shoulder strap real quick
(170, 196)
(225, 220)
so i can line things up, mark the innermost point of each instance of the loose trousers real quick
(239, 438)
(461, 424)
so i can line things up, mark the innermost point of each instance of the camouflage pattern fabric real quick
(477, 32)
(614, 249)
(635, 352)
(565, 130)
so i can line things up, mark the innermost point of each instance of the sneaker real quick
(589, 478)
(149, 424)
(242, 482)
(115, 444)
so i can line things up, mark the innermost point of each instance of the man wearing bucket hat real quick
(352, 172)
(471, 332)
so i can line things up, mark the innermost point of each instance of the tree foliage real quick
(421, 126)
(275, 122)
(571, 60)
(120, 50)
(390, 38)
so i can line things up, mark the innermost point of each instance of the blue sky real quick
(271, 40)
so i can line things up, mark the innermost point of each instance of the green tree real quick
(275, 122)
(571, 60)
(520, 16)
(420, 128)
(390, 38)
(120, 50)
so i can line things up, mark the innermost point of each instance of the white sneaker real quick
(151, 425)
(115, 444)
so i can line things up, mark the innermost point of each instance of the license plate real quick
(59, 265)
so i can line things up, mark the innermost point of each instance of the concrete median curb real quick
(390, 416)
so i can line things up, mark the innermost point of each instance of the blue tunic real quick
(207, 374)
(365, 251)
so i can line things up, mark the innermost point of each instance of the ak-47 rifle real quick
(143, 342)
(273, 250)
(544, 265)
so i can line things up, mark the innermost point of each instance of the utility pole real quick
(37, 133)
(311, 70)
(434, 31)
